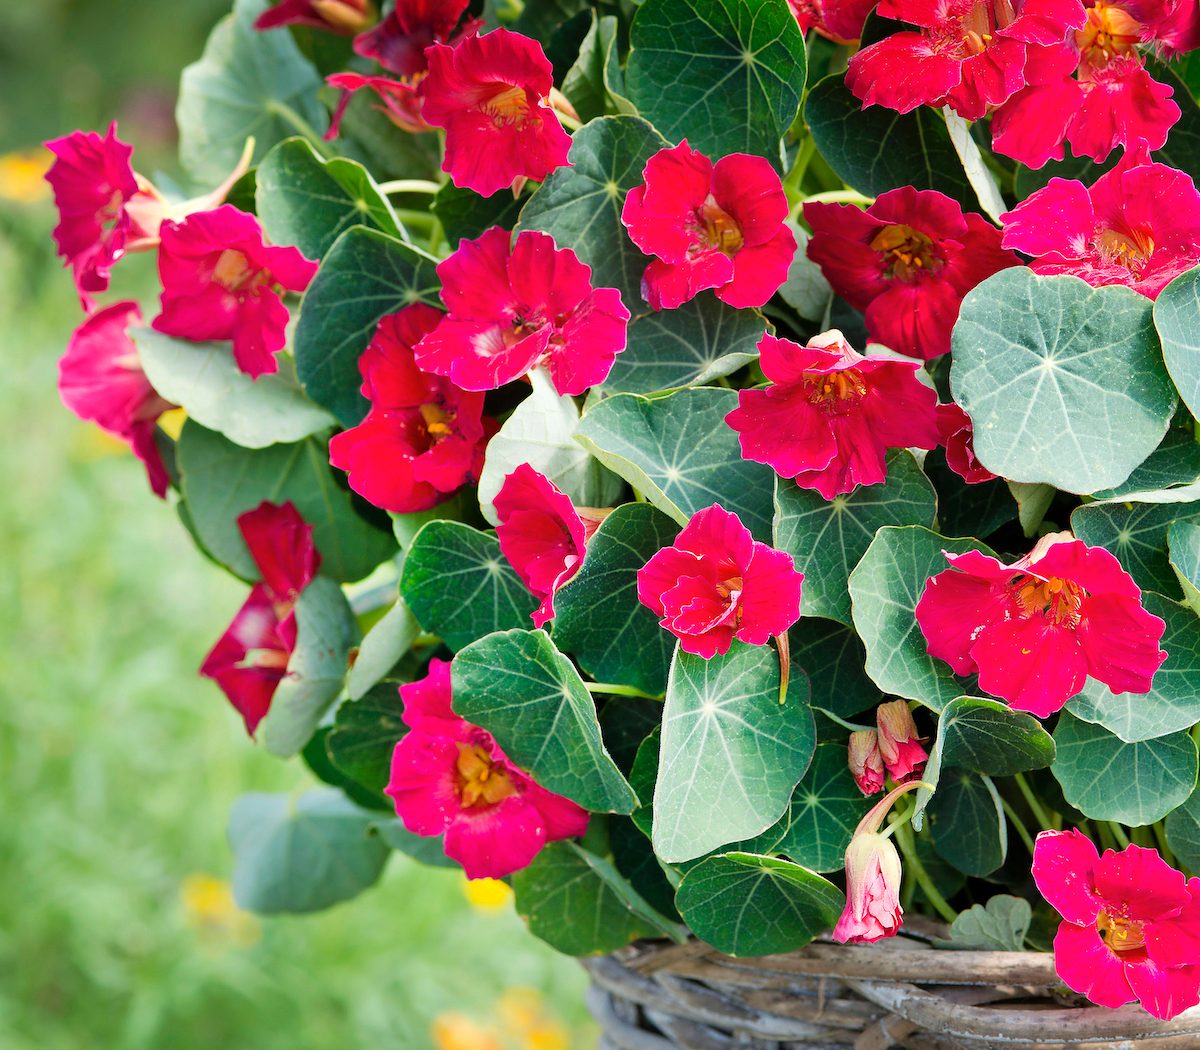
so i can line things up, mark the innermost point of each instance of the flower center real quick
(1110, 31)
(718, 228)
(1130, 249)
(234, 273)
(835, 389)
(1055, 598)
(480, 780)
(1119, 933)
(509, 105)
(907, 253)
(437, 421)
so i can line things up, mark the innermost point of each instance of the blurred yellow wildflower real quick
(209, 908)
(487, 894)
(453, 1031)
(527, 1020)
(21, 176)
(171, 422)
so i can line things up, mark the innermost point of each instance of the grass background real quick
(117, 764)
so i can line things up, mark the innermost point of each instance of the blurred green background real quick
(117, 764)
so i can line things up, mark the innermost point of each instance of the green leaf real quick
(579, 904)
(745, 905)
(301, 854)
(587, 83)
(1107, 779)
(806, 290)
(695, 344)
(365, 275)
(425, 849)
(680, 454)
(246, 85)
(204, 379)
(316, 758)
(309, 202)
(998, 926)
(731, 753)
(885, 588)
(529, 696)
(599, 619)
(222, 480)
(1064, 382)
(1173, 702)
(539, 432)
(464, 214)
(1137, 534)
(1175, 314)
(825, 810)
(385, 643)
(826, 538)
(460, 586)
(967, 510)
(1176, 462)
(365, 733)
(1183, 831)
(979, 175)
(1183, 541)
(1033, 500)
(316, 672)
(835, 661)
(967, 825)
(876, 149)
(580, 205)
(727, 75)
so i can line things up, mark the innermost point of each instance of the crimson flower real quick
(250, 659)
(830, 414)
(957, 435)
(906, 262)
(1138, 225)
(517, 305)
(865, 761)
(899, 742)
(966, 54)
(717, 583)
(493, 94)
(451, 778)
(222, 281)
(839, 20)
(1035, 630)
(398, 43)
(1131, 923)
(710, 225)
(344, 17)
(100, 379)
(423, 437)
(401, 100)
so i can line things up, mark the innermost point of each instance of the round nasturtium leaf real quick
(1176, 312)
(1064, 383)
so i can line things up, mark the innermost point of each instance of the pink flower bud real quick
(899, 745)
(872, 890)
(866, 763)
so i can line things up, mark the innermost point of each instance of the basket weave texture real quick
(896, 994)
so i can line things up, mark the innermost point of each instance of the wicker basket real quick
(900, 993)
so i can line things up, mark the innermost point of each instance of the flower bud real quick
(899, 744)
(866, 763)
(872, 891)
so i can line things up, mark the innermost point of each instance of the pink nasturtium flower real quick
(542, 534)
(718, 226)
(966, 54)
(1138, 225)
(1131, 923)
(717, 583)
(873, 875)
(957, 435)
(517, 305)
(839, 20)
(251, 657)
(221, 280)
(343, 17)
(100, 379)
(899, 742)
(451, 778)
(830, 414)
(906, 262)
(423, 438)
(1035, 630)
(495, 97)
(865, 761)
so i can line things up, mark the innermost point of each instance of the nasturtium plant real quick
(726, 482)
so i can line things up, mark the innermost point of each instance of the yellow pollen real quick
(1058, 599)
(1110, 31)
(479, 781)
(1130, 249)
(720, 229)
(1119, 933)
(906, 252)
(836, 387)
(437, 420)
(509, 105)
(234, 272)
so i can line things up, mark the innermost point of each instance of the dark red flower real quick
(423, 438)
(906, 262)
(957, 436)
(398, 43)
(401, 100)
(344, 17)
(840, 20)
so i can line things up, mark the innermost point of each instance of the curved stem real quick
(1017, 823)
(841, 721)
(1118, 833)
(408, 186)
(791, 183)
(612, 689)
(1031, 800)
(302, 126)
(904, 839)
(839, 197)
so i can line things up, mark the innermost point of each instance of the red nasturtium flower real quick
(830, 414)
(542, 534)
(221, 280)
(899, 742)
(709, 225)
(717, 583)
(865, 761)
(957, 435)
(451, 778)
(966, 54)
(517, 305)
(906, 262)
(251, 657)
(1131, 923)
(423, 437)
(1138, 225)
(839, 20)
(493, 96)
(100, 379)
(1035, 630)
(344, 17)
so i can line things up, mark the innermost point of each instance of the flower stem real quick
(841, 721)
(409, 186)
(839, 197)
(791, 183)
(904, 839)
(1031, 800)
(1164, 847)
(612, 689)
(1017, 823)
(302, 126)
(1118, 833)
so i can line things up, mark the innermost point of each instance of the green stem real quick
(1164, 847)
(408, 186)
(791, 184)
(1118, 833)
(1031, 800)
(841, 721)
(612, 689)
(839, 197)
(290, 116)
(1105, 835)
(1018, 823)
(904, 839)
(418, 219)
